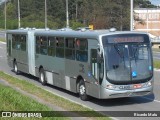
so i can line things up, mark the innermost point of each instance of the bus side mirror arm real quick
(100, 62)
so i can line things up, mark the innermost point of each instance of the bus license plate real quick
(125, 87)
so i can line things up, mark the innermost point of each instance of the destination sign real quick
(125, 39)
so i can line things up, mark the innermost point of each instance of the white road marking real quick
(2, 42)
(157, 70)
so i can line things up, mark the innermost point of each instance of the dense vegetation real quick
(101, 13)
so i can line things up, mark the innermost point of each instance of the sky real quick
(155, 2)
(1, 1)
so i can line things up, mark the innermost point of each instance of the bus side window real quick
(69, 48)
(43, 45)
(23, 43)
(82, 50)
(18, 44)
(37, 42)
(57, 42)
(13, 42)
(51, 46)
(60, 47)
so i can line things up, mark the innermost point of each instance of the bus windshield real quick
(127, 62)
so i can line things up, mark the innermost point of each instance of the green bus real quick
(99, 63)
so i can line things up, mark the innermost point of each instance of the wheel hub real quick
(42, 77)
(15, 68)
(82, 90)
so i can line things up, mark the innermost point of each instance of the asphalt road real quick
(2, 34)
(146, 103)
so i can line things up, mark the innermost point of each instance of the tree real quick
(102, 14)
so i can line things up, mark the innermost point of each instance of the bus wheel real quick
(42, 77)
(15, 67)
(82, 91)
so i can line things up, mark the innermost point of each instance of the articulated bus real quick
(99, 63)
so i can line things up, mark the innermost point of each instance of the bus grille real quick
(131, 94)
(141, 93)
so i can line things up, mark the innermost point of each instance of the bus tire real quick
(82, 91)
(15, 67)
(42, 77)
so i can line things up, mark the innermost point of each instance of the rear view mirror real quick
(99, 56)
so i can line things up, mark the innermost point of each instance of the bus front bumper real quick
(107, 93)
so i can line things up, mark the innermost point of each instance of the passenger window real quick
(82, 44)
(59, 42)
(82, 50)
(23, 42)
(70, 50)
(60, 47)
(43, 41)
(37, 44)
(51, 46)
(19, 42)
(13, 42)
(43, 45)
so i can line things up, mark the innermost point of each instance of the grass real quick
(11, 100)
(157, 64)
(2, 39)
(51, 98)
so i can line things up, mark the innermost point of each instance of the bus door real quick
(9, 38)
(93, 88)
(9, 50)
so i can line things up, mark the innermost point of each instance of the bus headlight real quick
(111, 87)
(147, 84)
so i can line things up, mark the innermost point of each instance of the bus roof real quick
(93, 34)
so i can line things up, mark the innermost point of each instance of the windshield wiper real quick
(118, 51)
(135, 53)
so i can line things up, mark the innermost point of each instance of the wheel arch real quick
(40, 67)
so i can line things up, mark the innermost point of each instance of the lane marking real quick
(157, 70)
(2, 42)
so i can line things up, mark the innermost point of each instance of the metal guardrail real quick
(155, 41)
